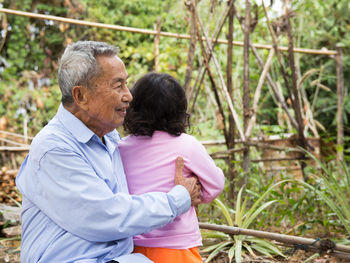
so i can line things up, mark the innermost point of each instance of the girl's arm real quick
(203, 166)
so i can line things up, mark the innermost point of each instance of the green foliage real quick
(243, 218)
(137, 50)
(24, 102)
(334, 189)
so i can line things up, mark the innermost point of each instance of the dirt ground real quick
(10, 253)
(298, 257)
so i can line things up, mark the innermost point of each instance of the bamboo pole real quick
(221, 78)
(272, 147)
(275, 90)
(13, 142)
(190, 57)
(296, 100)
(203, 67)
(153, 32)
(279, 58)
(274, 236)
(223, 154)
(272, 84)
(15, 148)
(253, 144)
(16, 135)
(257, 94)
(246, 88)
(279, 159)
(230, 140)
(340, 104)
(207, 55)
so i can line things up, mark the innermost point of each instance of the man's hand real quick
(191, 184)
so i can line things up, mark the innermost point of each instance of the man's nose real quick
(127, 97)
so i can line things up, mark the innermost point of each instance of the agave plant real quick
(243, 217)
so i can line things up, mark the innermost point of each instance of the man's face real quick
(110, 96)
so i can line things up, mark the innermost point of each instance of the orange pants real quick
(168, 255)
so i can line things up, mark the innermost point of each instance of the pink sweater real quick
(149, 164)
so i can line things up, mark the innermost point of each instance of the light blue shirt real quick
(76, 206)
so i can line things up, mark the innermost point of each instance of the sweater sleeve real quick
(199, 162)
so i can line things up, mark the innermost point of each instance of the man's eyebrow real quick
(120, 79)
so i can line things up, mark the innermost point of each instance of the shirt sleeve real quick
(203, 166)
(71, 194)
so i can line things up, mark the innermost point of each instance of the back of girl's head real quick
(159, 104)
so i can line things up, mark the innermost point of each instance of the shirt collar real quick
(79, 130)
(74, 125)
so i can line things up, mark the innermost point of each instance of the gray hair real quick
(78, 66)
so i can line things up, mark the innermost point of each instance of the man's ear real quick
(81, 96)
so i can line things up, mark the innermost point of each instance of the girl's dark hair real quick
(159, 104)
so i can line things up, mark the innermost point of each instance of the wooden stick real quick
(272, 147)
(279, 159)
(296, 99)
(279, 58)
(12, 142)
(340, 106)
(273, 85)
(318, 85)
(228, 151)
(246, 88)
(153, 32)
(252, 120)
(254, 144)
(14, 149)
(293, 92)
(230, 138)
(275, 90)
(15, 134)
(207, 55)
(190, 58)
(268, 235)
(231, 129)
(203, 67)
(25, 128)
(213, 142)
(223, 85)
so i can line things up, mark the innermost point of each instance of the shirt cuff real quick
(179, 200)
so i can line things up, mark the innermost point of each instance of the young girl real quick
(156, 120)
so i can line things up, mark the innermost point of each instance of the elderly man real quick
(76, 206)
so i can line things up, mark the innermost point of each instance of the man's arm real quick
(191, 184)
(75, 198)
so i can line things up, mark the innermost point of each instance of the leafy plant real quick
(334, 190)
(243, 218)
